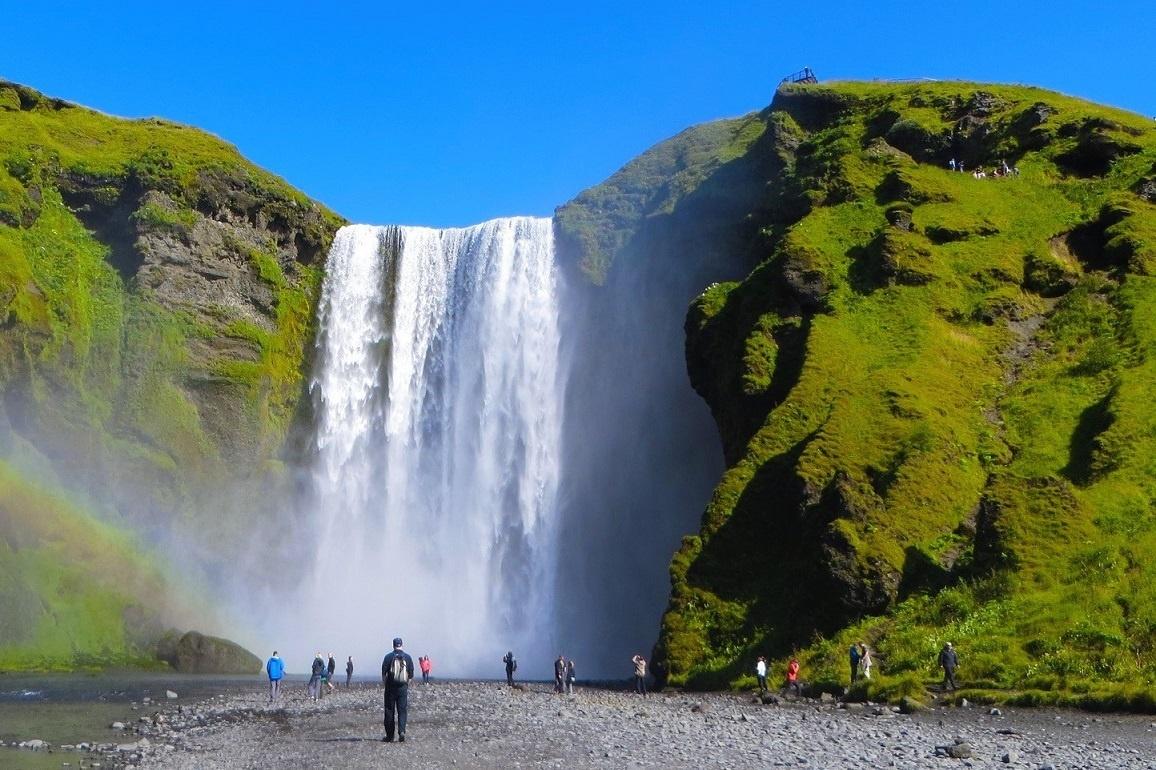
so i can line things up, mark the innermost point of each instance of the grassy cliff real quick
(932, 395)
(156, 301)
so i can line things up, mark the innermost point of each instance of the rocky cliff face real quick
(928, 394)
(157, 295)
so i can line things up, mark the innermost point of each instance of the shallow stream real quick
(66, 709)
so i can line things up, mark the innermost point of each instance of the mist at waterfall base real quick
(504, 456)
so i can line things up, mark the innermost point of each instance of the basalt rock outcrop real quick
(195, 653)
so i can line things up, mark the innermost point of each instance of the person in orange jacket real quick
(793, 677)
(426, 666)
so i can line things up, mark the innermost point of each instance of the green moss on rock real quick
(156, 308)
(930, 392)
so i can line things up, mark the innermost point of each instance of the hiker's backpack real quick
(513, 663)
(398, 672)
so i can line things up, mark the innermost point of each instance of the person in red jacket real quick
(426, 665)
(793, 677)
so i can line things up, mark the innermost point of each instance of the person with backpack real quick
(570, 676)
(275, 668)
(348, 671)
(511, 666)
(330, 667)
(426, 667)
(396, 671)
(639, 674)
(315, 674)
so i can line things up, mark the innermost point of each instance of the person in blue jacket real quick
(276, 670)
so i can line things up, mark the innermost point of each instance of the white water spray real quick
(438, 395)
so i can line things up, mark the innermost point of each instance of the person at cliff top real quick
(426, 667)
(348, 671)
(949, 661)
(511, 666)
(853, 656)
(793, 677)
(761, 673)
(315, 674)
(570, 676)
(275, 668)
(559, 674)
(396, 671)
(330, 667)
(639, 674)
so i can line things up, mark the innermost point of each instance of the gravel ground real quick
(490, 725)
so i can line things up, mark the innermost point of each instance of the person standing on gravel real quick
(948, 661)
(559, 674)
(793, 677)
(639, 674)
(570, 676)
(853, 657)
(330, 667)
(426, 667)
(761, 673)
(315, 674)
(275, 668)
(396, 671)
(348, 671)
(511, 666)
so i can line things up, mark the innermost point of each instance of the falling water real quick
(437, 391)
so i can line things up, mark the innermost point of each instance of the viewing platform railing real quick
(805, 75)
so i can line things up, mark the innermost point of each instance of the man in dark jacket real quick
(511, 666)
(315, 675)
(559, 674)
(853, 659)
(348, 671)
(330, 667)
(949, 661)
(396, 671)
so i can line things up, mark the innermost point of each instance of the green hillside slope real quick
(933, 398)
(156, 303)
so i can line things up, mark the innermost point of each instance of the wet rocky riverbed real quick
(486, 724)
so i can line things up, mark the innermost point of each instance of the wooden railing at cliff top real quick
(805, 75)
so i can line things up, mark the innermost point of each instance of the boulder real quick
(195, 653)
(909, 705)
(959, 751)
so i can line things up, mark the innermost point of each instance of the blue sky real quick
(451, 113)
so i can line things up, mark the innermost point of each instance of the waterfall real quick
(437, 391)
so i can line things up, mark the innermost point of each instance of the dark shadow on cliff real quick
(1081, 468)
(921, 573)
(768, 554)
(641, 466)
